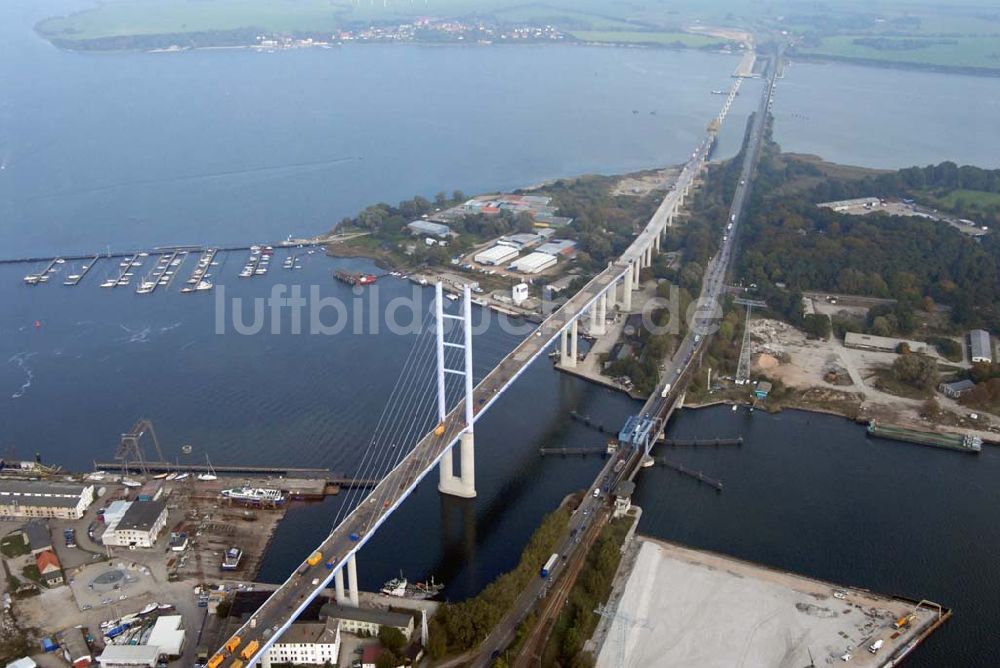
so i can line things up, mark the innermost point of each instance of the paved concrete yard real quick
(700, 609)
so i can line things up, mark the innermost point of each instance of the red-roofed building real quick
(49, 568)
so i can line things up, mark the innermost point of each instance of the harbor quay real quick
(678, 606)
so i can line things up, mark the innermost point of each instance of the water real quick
(135, 150)
(138, 149)
(887, 118)
(812, 494)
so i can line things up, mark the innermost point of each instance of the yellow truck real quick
(249, 650)
(236, 664)
(233, 643)
(215, 661)
(439, 430)
(314, 558)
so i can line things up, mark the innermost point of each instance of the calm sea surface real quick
(133, 150)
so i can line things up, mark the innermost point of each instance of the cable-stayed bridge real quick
(433, 407)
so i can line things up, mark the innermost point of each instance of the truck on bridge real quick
(549, 565)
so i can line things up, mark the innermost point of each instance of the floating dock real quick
(960, 442)
(43, 275)
(74, 279)
(125, 275)
(198, 281)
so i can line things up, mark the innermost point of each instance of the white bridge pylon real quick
(464, 484)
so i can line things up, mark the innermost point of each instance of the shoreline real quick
(964, 70)
(81, 44)
(991, 441)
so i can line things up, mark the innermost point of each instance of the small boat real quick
(149, 608)
(182, 476)
(160, 476)
(31, 279)
(171, 476)
(60, 260)
(204, 285)
(210, 475)
(128, 482)
(109, 284)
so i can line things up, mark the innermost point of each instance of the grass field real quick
(974, 198)
(117, 18)
(981, 52)
(13, 546)
(643, 37)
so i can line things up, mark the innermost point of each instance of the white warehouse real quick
(498, 254)
(534, 263)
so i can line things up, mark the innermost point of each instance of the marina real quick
(163, 273)
(43, 276)
(198, 282)
(125, 273)
(74, 279)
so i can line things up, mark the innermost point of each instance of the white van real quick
(876, 646)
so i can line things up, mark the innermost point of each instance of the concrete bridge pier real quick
(338, 587)
(463, 485)
(563, 347)
(352, 580)
(446, 471)
(573, 342)
(626, 300)
(635, 277)
(599, 315)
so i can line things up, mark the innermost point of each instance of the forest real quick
(788, 240)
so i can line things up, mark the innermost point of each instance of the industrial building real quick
(129, 656)
(306, 643)
(36, 498)
(523, 240)
(956, 389)
(168, 635)
(519, 293)
(499, 254)
(139, 526)
(980, 348)
(533, 263)
(360, 621)
(560, 247)
(427, 227)
(882, 344)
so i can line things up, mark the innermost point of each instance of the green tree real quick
(387, 659)
(391, 638)
(917, 370)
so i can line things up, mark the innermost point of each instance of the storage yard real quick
(692, 608)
